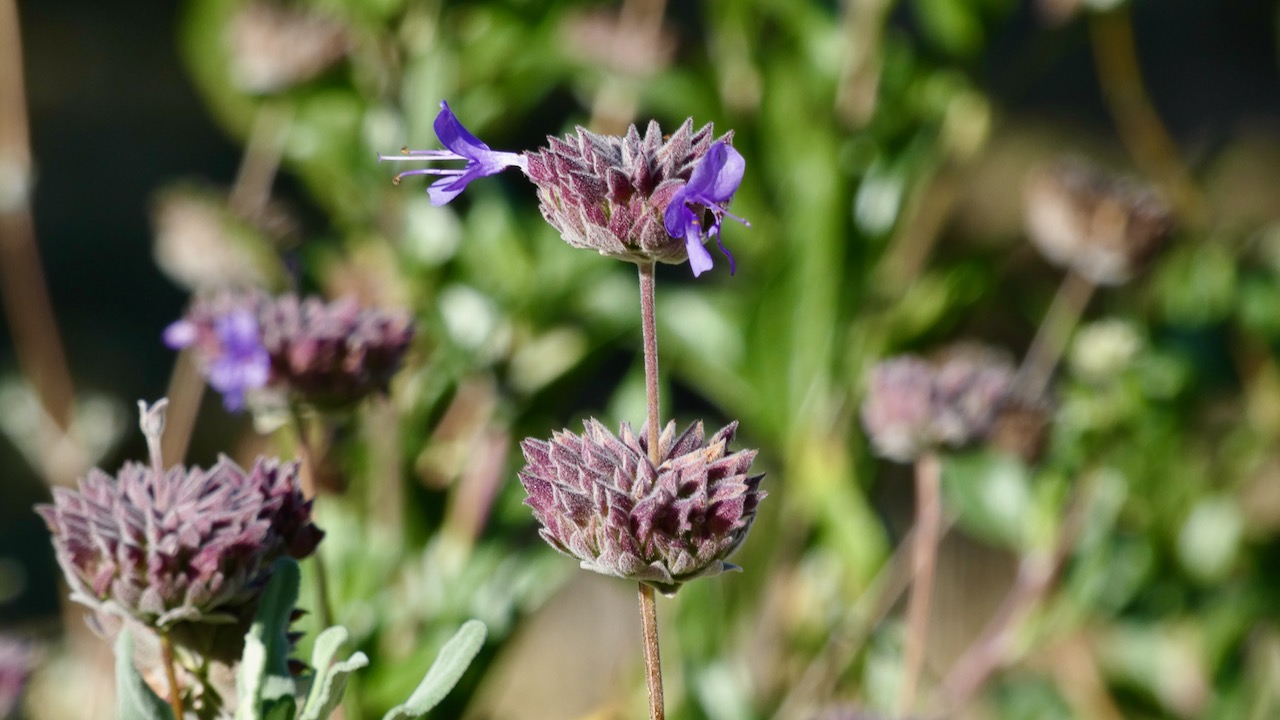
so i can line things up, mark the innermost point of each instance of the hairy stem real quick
(171, 674)
(648, 607)
(928, 527)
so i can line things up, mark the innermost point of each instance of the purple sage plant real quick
(601, 500)
(640, 198)
(179, 549)
(325, 354)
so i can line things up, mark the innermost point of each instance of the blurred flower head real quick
(600, 499)
(1102, 227)
(17, 658)
(914, 406)
(170, 547)
(273, 46)
(636, 198)
(326, 354)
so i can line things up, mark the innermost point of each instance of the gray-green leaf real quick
(331, 678)
(264, 683)
(135, 700)
(453, 660)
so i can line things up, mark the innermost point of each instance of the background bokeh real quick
(887, 146)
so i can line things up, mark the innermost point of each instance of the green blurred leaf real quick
(264, 684)
(444, 673)
(991, 494)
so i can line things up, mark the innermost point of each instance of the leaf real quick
(263, 681)
(453, 660)
(135, 700)
(331, 678)
(991, 492)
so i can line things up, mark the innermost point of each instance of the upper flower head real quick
(326, 354)
(711, 187)
(235, 361)
(600, 499)
(461, 145)
(171, 546)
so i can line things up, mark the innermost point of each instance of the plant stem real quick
(1120, 75)
(928, 527)
(1051, 338)
(308, 475)
(648, 606)
(171, 673)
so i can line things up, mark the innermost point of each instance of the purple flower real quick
(714, 181)
(234, 357)
(599, 499)
(462, 145)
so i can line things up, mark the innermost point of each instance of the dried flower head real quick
(325, 354)
(273, 46)
(171, 547)
(914, 406)
(636, 198)
(600, 499)
(1104, 228)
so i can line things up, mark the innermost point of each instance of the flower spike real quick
(461, 145)
(714, 181)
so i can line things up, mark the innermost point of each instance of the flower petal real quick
(454, 136)
(699, 258)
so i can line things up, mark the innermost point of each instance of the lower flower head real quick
(178, 546)
(599, 499)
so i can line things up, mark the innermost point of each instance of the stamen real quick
(733, 264)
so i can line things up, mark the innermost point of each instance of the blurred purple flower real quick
(914, 406)
(16, 660)
(715, 179)
(326, 354)
(599, 499)
(235, 361)
(461, 145)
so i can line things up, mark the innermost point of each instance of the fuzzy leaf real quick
(331, 678)
(135, 700)
(265, 686)
(453, 660)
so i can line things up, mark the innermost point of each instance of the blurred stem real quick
(23, 291)
(1144, 135)
(648, 606)
(1051, 337)
(262, 152)
(1036, 574)
(171, 673)
(186, 389)
(307, 454)
(928, 527)
(614, 105)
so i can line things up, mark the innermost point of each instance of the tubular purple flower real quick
(461, 145)
(715, 179)
(237, 363)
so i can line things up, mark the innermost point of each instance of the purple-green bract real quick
(326, 354)
(189, 546)
(600, 499)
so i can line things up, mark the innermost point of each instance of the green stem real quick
(648, 606)
(309, 474)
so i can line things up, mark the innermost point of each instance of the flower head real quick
(599, 499)
(1103, 227)
(170, 547)
(640, 198)
(481, 161)
(326, 354)
(914, 406)
(714, 181)
(235, 362)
